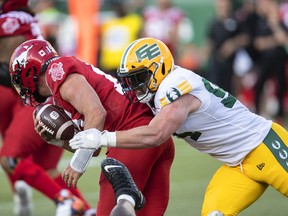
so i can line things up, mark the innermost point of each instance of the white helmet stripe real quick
(125, 54)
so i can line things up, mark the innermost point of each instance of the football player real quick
(24, 155)
(253, 149)
(94, 99)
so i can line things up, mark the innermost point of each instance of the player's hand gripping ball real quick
(55, 121)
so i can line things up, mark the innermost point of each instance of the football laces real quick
(51, 132)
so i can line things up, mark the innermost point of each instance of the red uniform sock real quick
(74, 191)
(36, 177)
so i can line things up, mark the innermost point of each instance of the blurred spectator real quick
(270, 41)
(225, 37)
(163, 22)
(49, 19)
(244, 63)
(116, 32)
(54, 24)
(247, 17)
(190, 55)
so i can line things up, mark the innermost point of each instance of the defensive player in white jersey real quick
(253, 149)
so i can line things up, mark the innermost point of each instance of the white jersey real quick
(222, 127)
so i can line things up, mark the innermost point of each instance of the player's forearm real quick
(141, 137)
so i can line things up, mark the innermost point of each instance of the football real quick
(55, 121)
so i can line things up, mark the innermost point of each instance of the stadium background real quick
(191, 170)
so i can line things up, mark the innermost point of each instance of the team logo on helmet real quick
(56, 71)
(21, 60)
(147, 51)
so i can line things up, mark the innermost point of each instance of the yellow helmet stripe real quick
(124, 56)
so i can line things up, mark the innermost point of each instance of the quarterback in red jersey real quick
(94, 100)
(24, 155)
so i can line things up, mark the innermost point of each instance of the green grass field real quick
(190, 174)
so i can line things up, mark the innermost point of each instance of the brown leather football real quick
(56, 122)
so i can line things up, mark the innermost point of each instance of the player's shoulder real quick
(179, 76)
(66, 61)
(59, 68)
(174, 85)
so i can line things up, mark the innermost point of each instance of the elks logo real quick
(147, 51)
(56, 71)
(10, 25)
(173, 94)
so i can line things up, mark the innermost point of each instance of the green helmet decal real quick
(147, 51)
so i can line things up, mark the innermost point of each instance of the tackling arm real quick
(161, 127)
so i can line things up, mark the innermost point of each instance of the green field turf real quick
(190, 174)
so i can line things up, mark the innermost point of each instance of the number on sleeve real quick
(228, 100)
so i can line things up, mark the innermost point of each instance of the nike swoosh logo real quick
(107, 167)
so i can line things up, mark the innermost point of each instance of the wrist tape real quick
(108, 139)
(81, 159)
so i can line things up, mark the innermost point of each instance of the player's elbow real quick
(157, 138)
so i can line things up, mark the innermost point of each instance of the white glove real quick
(93, 139)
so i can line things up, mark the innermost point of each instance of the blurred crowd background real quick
(240, 45)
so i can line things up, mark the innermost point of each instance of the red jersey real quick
(121, 113)
(19, 23)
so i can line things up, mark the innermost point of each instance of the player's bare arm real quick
(78, 92)
(161, 127)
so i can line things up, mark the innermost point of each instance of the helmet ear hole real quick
(163, 69)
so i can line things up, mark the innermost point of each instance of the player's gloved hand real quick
(93, 138)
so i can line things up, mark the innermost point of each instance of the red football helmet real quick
(27, 62)
(12, 5)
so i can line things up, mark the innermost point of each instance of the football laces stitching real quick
(46, 128)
